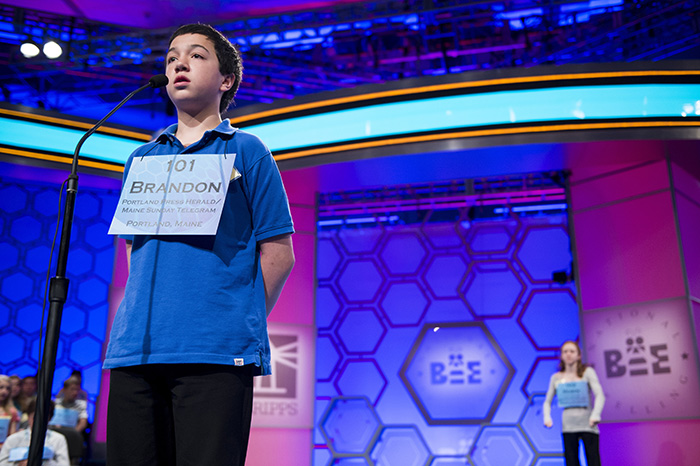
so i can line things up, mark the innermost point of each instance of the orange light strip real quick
(484, 132)
(77, 124)
(459, 85)
(67, 160)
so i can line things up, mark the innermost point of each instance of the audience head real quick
(31, 409)
(71, 389)
(5, 389)
(28, 386)
(14, 386)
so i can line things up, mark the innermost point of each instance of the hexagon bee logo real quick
(456, 373)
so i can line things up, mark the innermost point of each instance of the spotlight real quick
(52, 50)
(29, 49)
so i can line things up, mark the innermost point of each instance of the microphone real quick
(58, 291)
(158, 80)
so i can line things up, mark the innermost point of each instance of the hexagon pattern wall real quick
(436, 341)
(28, 213)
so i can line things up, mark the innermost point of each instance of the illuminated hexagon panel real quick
(331, 259)
(349, 425)
(360, 240)
(27, 219)
(502, 445)
(539, 264)
(404, 304)
(420, 300)
(360, 281)
(351, 461)
(493, 288)
(545, 440)
(457, 373)
(403, 254)
(550, 317)
(361, 376)
(444, 275)
(361, 331)
(400, 446)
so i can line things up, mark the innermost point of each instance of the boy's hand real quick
(548, 423)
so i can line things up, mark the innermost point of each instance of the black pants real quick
(179, 414)
(590, 447)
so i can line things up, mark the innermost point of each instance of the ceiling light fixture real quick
(52, 50)
(29, 49)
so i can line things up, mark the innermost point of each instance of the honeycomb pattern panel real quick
(545, 440)
(403, 253)
(489, 238)
(352, 461)
(502, 445)
(361, 331)
(551, 461)
(10, 256)
(493, 289)
(442, 235)
(538, 265)
(360, 240)
(447, 461)
(546, 306)
(360, 281)
(360, 376)
(537, 379)
(349, 425)
(4, 315)
(28, 216)
(400, 446)
(388, 298)
(327, 358)
(329, 251)
(329, 306)
(404, 304)
(321, 457)
(444, 274)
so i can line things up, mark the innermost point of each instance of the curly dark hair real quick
(230, 61)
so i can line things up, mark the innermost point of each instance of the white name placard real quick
(573, 394)
(179, 194)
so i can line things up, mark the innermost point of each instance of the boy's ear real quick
(227, 83)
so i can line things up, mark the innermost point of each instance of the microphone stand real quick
(58, 292)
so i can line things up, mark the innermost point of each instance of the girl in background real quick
(8, 413)
(573, 383)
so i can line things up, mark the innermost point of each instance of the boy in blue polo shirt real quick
(191, 331)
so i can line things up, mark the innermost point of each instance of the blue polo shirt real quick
(201, 299)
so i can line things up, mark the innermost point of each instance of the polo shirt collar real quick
(223, 128)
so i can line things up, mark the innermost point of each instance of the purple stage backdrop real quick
(437, 337)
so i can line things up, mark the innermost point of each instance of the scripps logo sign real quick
(456, 373)
(637, 358)
(284, 398)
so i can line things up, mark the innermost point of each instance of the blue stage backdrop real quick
(438, 331)
(28, 214)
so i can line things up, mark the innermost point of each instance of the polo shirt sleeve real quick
(267, 198)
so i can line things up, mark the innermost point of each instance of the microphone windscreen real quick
(158, 80)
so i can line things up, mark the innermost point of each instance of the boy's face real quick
(29, 386)
(71, 393)
(194, 79)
